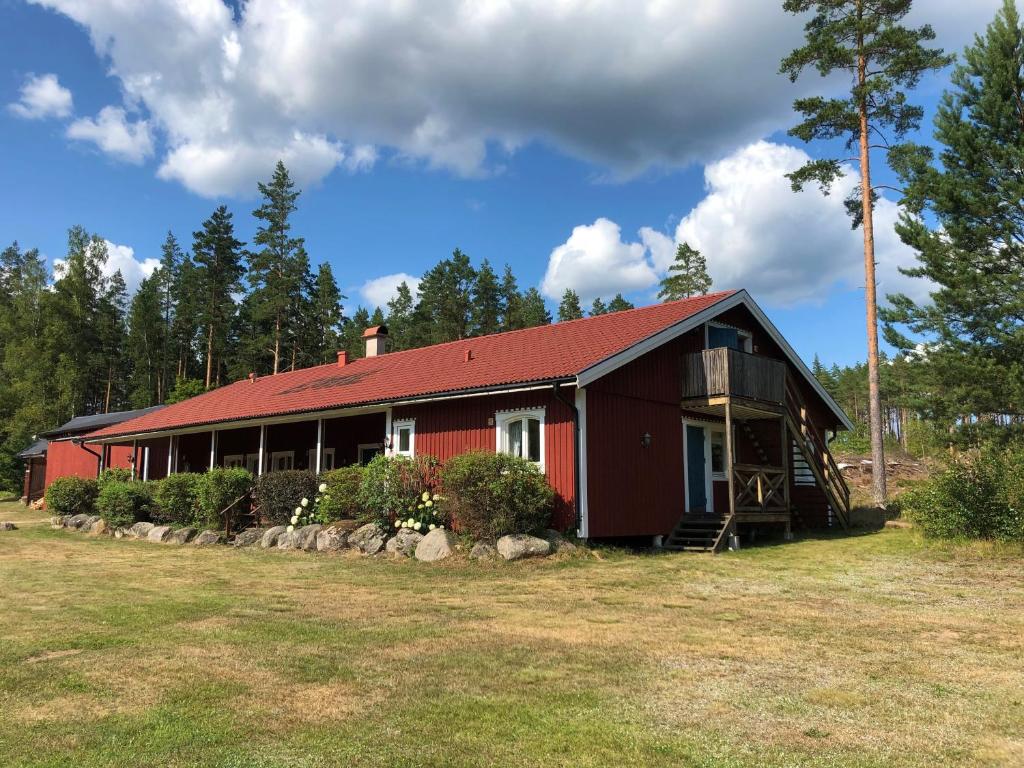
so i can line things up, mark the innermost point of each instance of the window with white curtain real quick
(404, 440)
(521, 433)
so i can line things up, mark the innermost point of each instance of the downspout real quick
(99, 459)
(577, 499)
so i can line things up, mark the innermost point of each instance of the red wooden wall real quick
(448, 428)
(65, 458)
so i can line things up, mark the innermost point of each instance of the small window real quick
(326, 459)
(718, 455)
(404, 443)
(252, 462)
(282, 461)
(521, 433)
(234, 460)
(367, 451)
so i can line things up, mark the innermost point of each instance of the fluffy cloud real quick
(595, 262)
(785, 248)
(380, 290)
(114, 134)
(449, 83)
(120, 258)
(42, 96)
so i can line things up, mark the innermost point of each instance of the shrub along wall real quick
(277, 493)
(72, 496)
(122, 504)
(342, 499)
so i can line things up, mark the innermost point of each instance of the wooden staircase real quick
(699, 533)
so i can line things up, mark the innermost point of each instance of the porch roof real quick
(549, 353)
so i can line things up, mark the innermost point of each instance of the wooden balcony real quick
(757, 384)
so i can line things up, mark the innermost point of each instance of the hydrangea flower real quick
(431, 526)
(298, 510)
(411, 521)
(426, 495)
(295, 519)
(398, 523)
(322, 488)
(291, 528)
(304, 502)
(428, 503)
(417, 526)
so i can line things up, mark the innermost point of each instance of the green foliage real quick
(980, 496)
(342, 499)
(176, 498)
(278, 493)
(218, 258)
(490, 495)
(687, 276)
(217, 490)
(427, 513)
(184, 389)
(72, 496)
(122, 503)
(570, 308)
(392, 485)
(113, 475)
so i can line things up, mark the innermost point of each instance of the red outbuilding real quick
(687, 420)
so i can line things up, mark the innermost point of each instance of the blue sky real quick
(577, 146)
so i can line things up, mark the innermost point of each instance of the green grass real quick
(871, 650)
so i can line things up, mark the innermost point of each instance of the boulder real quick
(99, 528)
(77, 521)
(404, 543)
(436, 545)
(286, 540)
(205, 538)
(483, 551)
(305, 537)
(140, 530)
(90, 521)
(520, 545)
(331, 539)
(8, 526)
(57, 522)
(122, 533)
(368, 539)
(271, 535)
(182, 536)
(558, 542)
(250, 537)
(159, 533)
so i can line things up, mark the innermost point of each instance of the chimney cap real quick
(375, 330)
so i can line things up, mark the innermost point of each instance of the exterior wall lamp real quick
(646, 440)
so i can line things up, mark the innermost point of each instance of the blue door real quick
(696, 467)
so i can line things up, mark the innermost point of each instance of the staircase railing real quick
(817, 455)
(759, 488)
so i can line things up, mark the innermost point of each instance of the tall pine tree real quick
(218, 258)
(687, 276)
(570, 308)
(487, 303)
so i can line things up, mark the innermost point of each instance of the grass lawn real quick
(872, 650)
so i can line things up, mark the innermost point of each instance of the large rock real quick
(206, 538)
(436, 545)
(271, 535)
(305, 537)
(331, 539)
(483, 551)
(250, 537)
(8, 526)
(77, 521)
(182, 536)
(368, 539)
(58, 521)
(90, 521)
(159, 534)
(140, 530)
(520, 545)
(99, 528)
(558, 542)
(404, 543)
(286, 540)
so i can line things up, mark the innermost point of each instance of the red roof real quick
(545, 353)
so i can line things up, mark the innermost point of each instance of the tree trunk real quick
(870, 297)
(110, 381)
(209, 356)
(277, 342)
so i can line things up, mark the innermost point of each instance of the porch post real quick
(135, 459)
(263, 444)
(170, 456)
(319, 444)
(213, 448)
(388, 448)
(145, 463)
(728, 456)
(785, 461)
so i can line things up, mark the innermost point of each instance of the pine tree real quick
(112, 332)
(964, 221)
(884, 59)
(400, 318)
(326, 313)
(352, 333)
(444, 312)
(146, 342)
(570, 308)
(218, 257)
(171, 258)
(188, 300)
(512, 301)
(618, 304)
(687, 276)
(534, 311)
(487, 304)
(598, 308)
(277, 270)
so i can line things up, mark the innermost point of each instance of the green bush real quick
(176, 499)
(491, 495)
(278, 493)
(342, 499)
(72, 496)
(392, 486)
(121, 504)
(217, 489)
(113, 475)
(980, 496)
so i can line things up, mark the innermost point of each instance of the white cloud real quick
(651, 83)
(754, 231)
(594, 261)
(112, 133)
(380, 290)
(42, 96)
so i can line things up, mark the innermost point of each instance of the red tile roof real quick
(546, 353)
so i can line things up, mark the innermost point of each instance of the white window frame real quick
(234, 460)
(324, 453)
(503, 418)
(275, 455)
(396, 429)
(716, 476)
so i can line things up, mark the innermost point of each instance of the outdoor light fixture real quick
(645, 440)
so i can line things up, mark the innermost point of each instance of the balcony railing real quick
(726, 371)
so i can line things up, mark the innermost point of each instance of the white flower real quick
(298, 510)
(418, 526)
(295, 519)
(291, 528)
(411, 521)
(304, 502)
(323, 487)
(428, 503)
(426, 495)
(398, 523)
(441, 527)
(432, 526)
(316, 500)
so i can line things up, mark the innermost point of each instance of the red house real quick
(687, 420)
